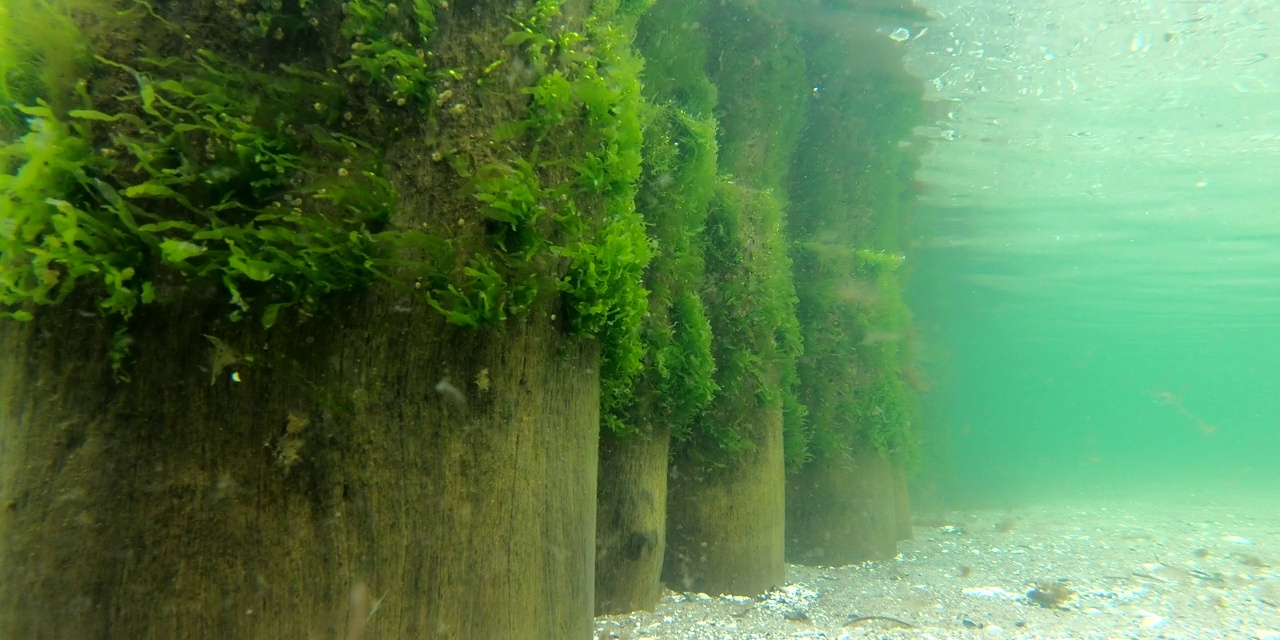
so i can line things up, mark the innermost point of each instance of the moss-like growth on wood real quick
(759, 70)
(757, 338)
(847, 223)
(677, 181)
(239, 166)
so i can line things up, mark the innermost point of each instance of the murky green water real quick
(1097, 265)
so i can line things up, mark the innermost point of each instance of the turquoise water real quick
(1113, 382)
(1096, 265)
(1143, 362)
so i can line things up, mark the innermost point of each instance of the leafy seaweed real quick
(198, 168)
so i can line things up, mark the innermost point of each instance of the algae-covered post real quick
(725, 519)
(360, 200)
(678, 181)
(850, 200)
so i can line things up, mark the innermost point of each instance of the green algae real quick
(192, 165)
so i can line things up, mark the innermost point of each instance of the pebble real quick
(1150, 620)
(988, 592)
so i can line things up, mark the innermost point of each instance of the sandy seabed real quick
(1172, 568)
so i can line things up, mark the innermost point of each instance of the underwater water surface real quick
(1096, 270)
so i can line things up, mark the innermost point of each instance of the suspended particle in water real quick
(450, 393)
